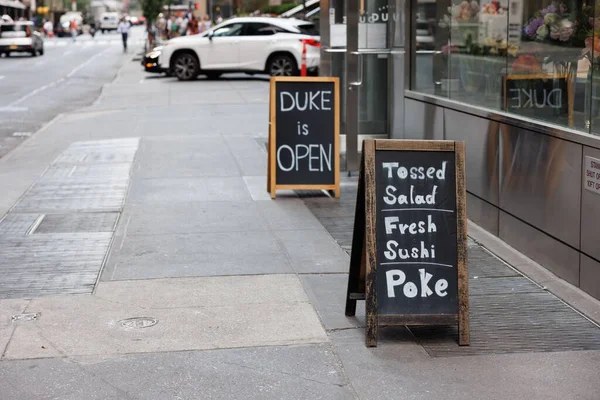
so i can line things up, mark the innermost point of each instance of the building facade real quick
(518, 81)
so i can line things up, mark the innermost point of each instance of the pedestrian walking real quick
(123, 29)
(48, 29)
(73, 28)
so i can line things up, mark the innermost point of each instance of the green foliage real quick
(279, 9)
(151, 9)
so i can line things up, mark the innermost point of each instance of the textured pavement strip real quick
(56, 238)
(508, 312)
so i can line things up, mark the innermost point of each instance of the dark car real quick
(150, 61)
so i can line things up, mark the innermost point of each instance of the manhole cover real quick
(138, 322)
(25, 317)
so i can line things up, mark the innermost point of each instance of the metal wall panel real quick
(397, 95)
(540, 181)
(482, 213)
(555, 256)
(325, 31)
(590, 276)
(590, 214)
(423, 121)
(482, 151)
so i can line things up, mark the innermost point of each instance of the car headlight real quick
(153, 54)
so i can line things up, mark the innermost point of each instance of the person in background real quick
(219, 19)
(123, 29)
(184, 27)
(193, 26)
(48, 29)
(206, 24)
(73, 29)
(161, 25)
(178, 22)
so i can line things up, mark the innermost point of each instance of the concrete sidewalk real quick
(143, 258)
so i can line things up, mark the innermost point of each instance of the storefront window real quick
(538, 59)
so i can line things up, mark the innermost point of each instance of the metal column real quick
(354, 80)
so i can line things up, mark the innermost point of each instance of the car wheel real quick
(186, 67)
(42, 51)
(213, 75)
(282, 65)
(34, 53)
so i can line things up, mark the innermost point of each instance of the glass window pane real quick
(591, 60)
(546, 71)
(532, 58)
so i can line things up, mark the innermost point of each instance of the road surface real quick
(70, 75)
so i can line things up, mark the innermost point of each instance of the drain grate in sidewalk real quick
(55, 239)
(508, 312)
(84, 222)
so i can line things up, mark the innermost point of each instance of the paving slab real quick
(313, 252)
(198, 217)
(92, 325)
(299, 372)
(8, 308)
(185, 190)
(327, 293)
(287, 214)
(398, 368)
(227, 253)
(257, 186)
(178, 157)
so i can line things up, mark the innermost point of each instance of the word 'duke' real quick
(304, 135)
(409, 250)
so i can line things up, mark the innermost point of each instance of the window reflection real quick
(538, 59)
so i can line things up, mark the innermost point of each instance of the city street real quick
(141, 257)
(68, 76)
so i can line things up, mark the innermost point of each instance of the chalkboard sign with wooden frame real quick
(304, 134)
(410, 194)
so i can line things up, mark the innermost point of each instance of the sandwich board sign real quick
(304, 134)
(409, 250)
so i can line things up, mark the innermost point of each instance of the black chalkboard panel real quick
(409, 252)
(541, 96)
(415, 196)
(304, 137)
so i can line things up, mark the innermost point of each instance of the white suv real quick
(16, 37)
(252, 45)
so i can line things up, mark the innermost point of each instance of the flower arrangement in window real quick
(553, 24)
(591, 32)
(477, 30)
(461, 13)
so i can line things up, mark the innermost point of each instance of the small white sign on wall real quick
(591, 174)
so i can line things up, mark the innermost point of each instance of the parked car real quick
(109, 21)
(150, 61)
(248, 44)
(20, 37)
(62, 28)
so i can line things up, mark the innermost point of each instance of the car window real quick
(261, 29)
(8, 31)
(308, 29)
(229, 30)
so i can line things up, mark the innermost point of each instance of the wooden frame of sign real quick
(272, 185)
(362, 283)
(570, 94)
